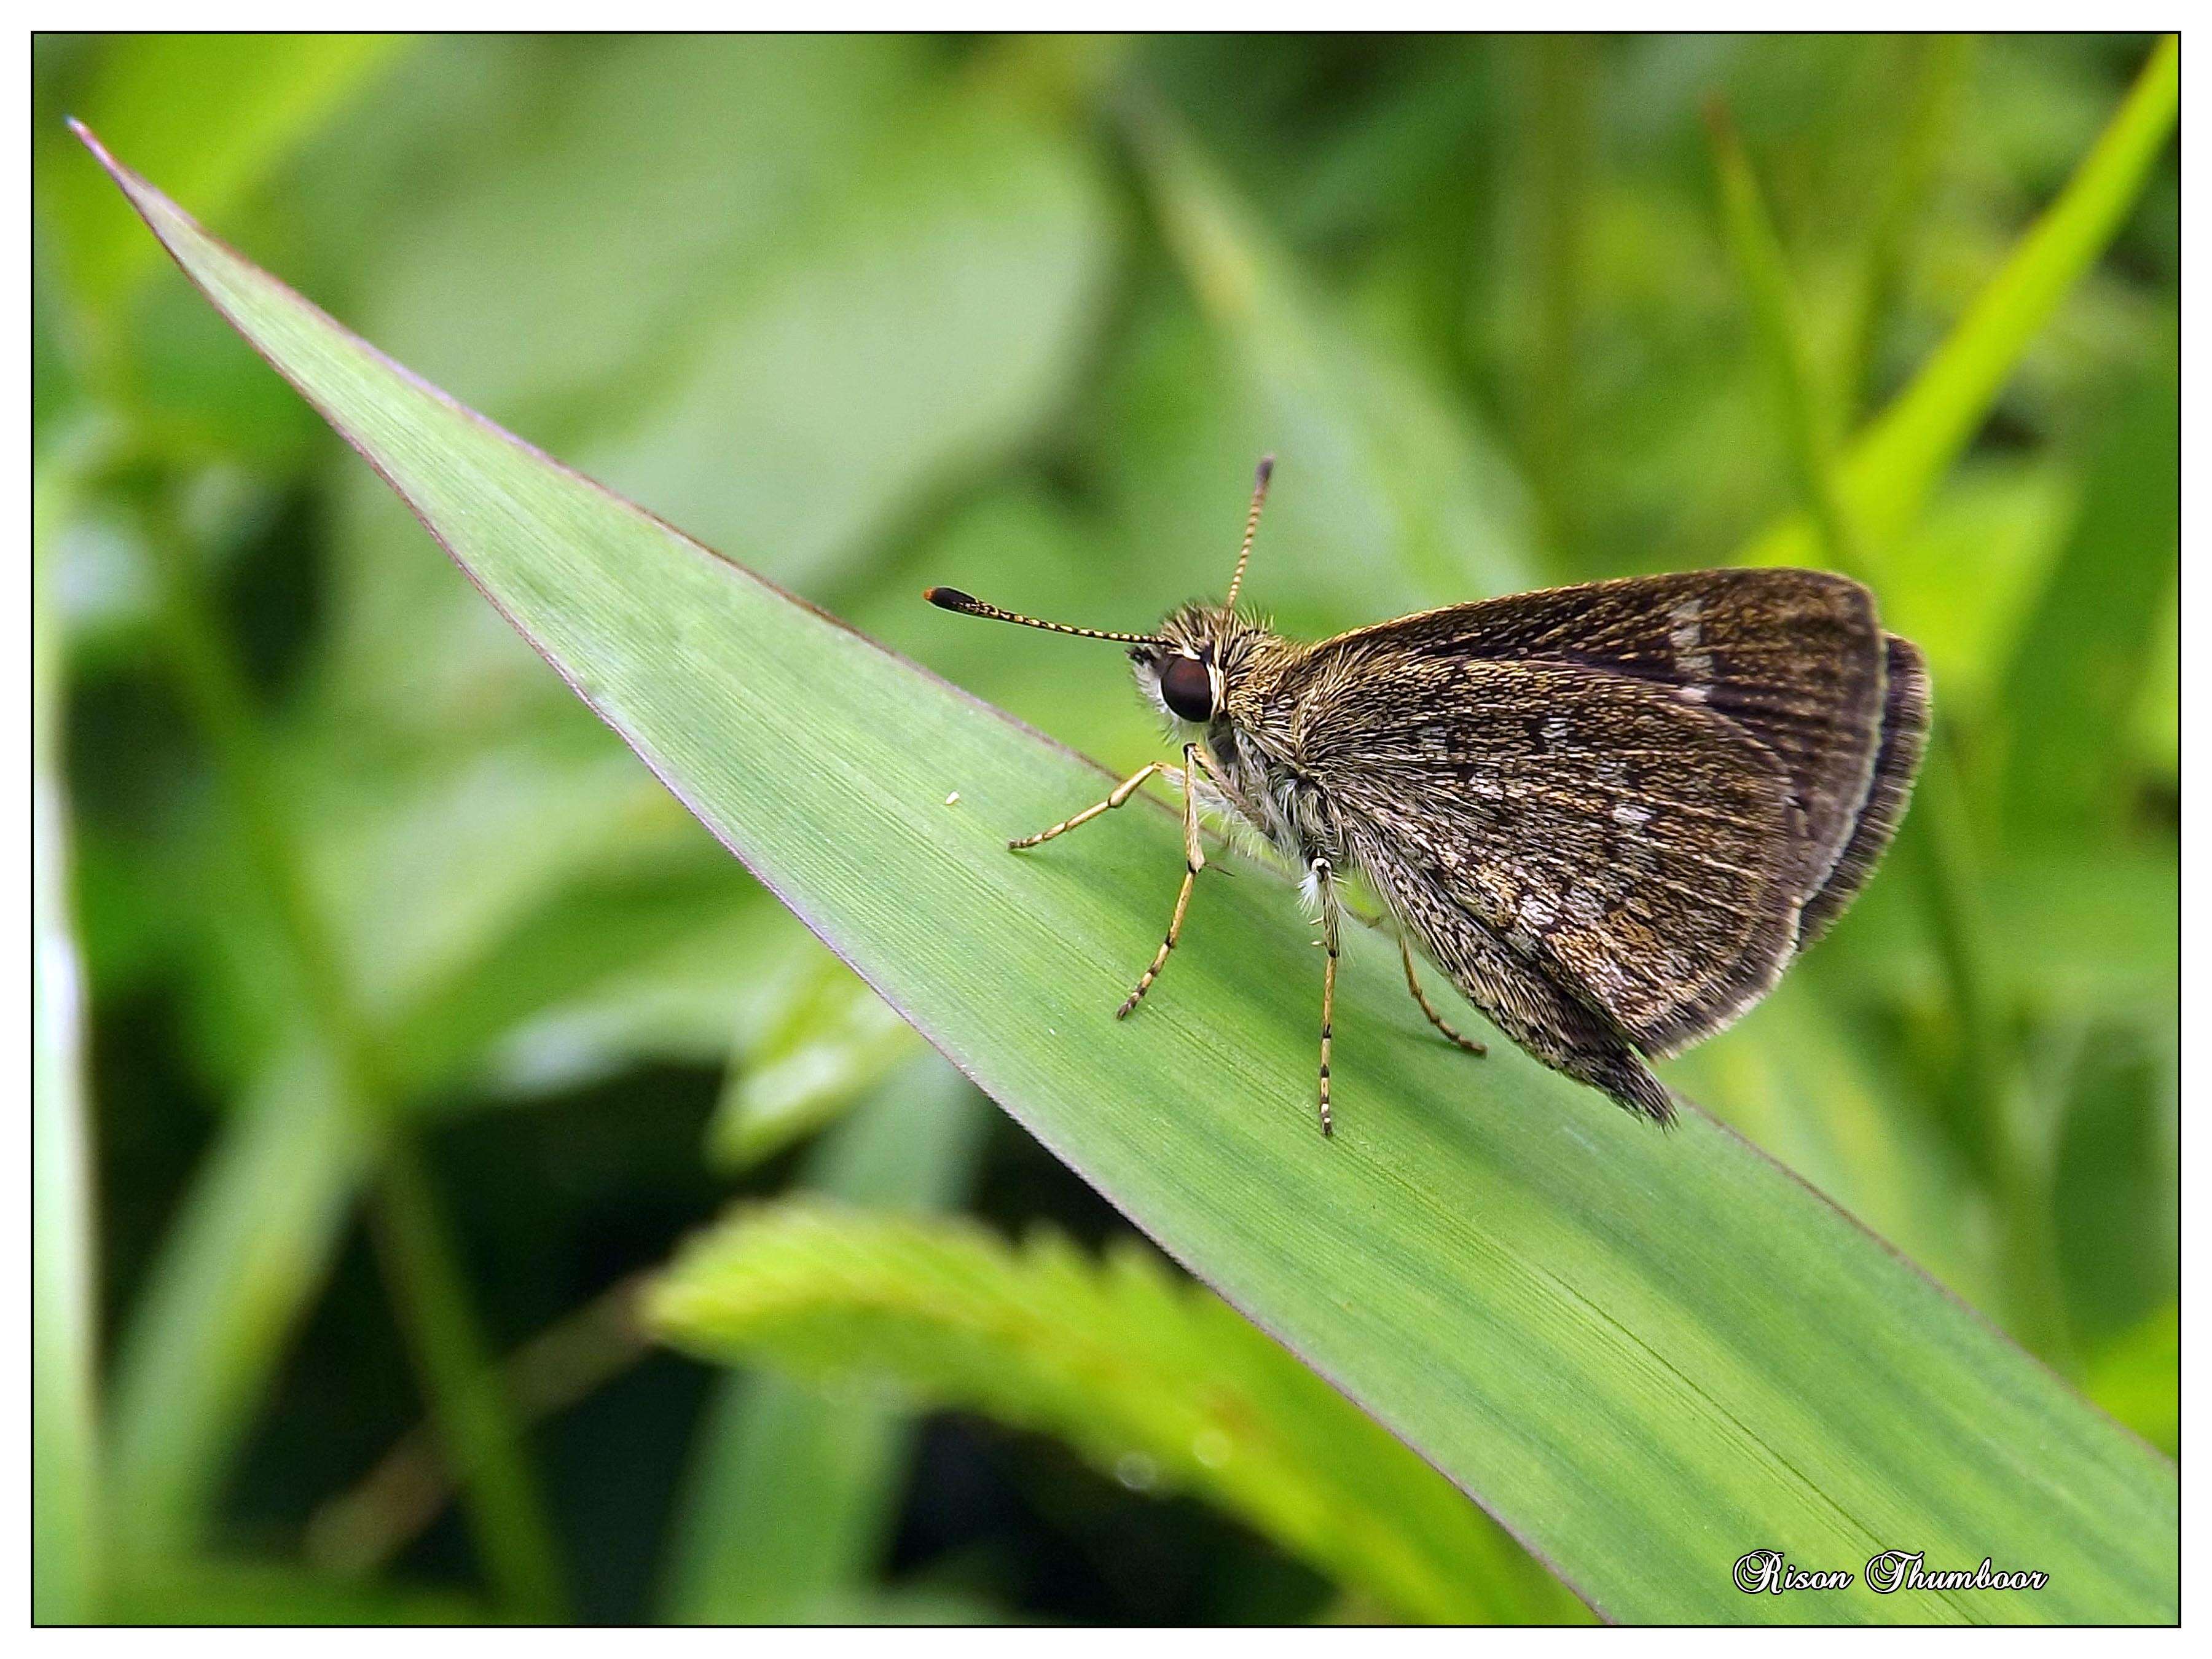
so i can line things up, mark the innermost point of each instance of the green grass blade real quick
(831, 1042)
(1557, 198)
(1645, 1353)
(2081, 662)
(1993, 1101)
(1156, 1383)
(1396, 474)
(795, 1488)
(1935, 69)
(478, 1427)
(1888, 471)
(428, 1289)
(2133, 1379)
(251, 1245)
(1808, 424)
(64, 1282)
(225, 1590)
(1757, 251)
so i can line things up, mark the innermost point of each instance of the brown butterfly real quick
(1610, 814)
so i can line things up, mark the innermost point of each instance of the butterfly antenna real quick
(952, 599)
(1251, 523)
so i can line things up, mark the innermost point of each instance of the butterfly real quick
(1609, 814)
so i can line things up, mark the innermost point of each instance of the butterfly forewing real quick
(1641, 851)
(1795, 658)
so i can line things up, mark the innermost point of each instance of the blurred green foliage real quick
(1161, 1384)
(411, 998)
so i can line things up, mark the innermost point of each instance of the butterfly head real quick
(1190, 670)
(1189, 667)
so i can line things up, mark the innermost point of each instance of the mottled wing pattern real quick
(1904, 739)
(1793, 657)
(1560, 1025)
(1636, 850)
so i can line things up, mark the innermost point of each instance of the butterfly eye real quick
(1188, 689)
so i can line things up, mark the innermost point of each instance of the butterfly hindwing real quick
(1560, 1025)
(1904, 739)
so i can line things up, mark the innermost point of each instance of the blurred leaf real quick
(1394, 154)
(255, 1237)
(1889, 470)
(1156, 1384)
(1807, 414)
(885, 321)
(420, 875)
(571, 184)
(226, 1590)
(1556, 197)
(215, 112)
(622, 965)
(2138, 1379)
(1378, 464)
(1963, 577)
(2155, 721)
(833, 1038)
(473, 1410)
(795, 1488)
(1935, 69)
(366, 1527)
(673, 986)
(909, 338)
(1601, 1329)
(2093, 934)
(2083, 659)
(2116, 1180)
(65, 1523)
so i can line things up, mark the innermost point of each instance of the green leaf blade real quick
(1646, 1354)
(794, 1490)
(65, 1450)
(255, 1237)
(1156, 1383)
(1892, 465)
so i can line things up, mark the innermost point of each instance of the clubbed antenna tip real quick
(952, 599)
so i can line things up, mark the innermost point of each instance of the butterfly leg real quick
(1546, 1019)
(1193, 860)
(1123, 790)
(1324, 888)
(1413, 984)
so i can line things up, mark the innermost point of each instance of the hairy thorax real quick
(1256, 744)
